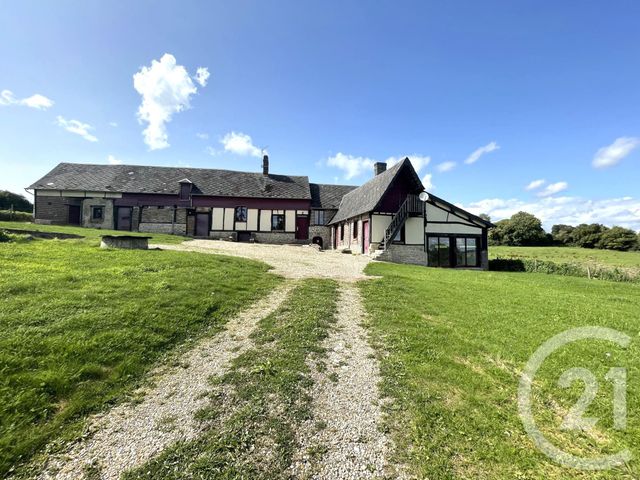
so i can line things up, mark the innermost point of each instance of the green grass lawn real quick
(79, 326)
(90, 233)
(457, 342)
(611, 258)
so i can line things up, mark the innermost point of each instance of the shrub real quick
(4, 237)
(570, 269)
(9, 216)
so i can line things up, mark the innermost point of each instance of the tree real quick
(496, 235)
(522, 229)
(485, 217)
(588, 236)
(562, 234)
(20, 203)
(618, 238)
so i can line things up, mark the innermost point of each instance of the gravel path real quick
(343, 439)
(287, 260)
(130, 434)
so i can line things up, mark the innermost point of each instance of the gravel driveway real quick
(345, 396)
(287, 260)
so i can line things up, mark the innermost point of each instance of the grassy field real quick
(256, 408)
(611, 258)
(89, 233)
(457, 343)
(79, 326)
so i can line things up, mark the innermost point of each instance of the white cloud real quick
(535, 184)
(445, 166)
(352, 166)
(202, 76)
(166, 88)
(111, 160)
(37, 101)
(77, 127)
(202, 136)
(418, 161)
(355, 166)
(612, 154)
(475, 156)
(553, 188)
(211, 151)
(240, 144)
(426, 181)
(113, 124)
(623, 211)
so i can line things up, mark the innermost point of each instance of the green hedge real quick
(570, 269)
(9, 216)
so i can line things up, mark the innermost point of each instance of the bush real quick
(4, 237)
(9, 216)
(570, 269)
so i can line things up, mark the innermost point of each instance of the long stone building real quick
(390, 216)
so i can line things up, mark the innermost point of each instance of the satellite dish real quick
(424, 196)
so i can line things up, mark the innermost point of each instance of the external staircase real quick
(411, 207)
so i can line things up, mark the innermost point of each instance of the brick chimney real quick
(265, 165)
(379, 167)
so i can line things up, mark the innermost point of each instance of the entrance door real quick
(123, 218)
(202, 224)
(302, 228)
(74, 214)
(365, 236)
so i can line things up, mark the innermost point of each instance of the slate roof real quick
(328, 197)
(166, 180)
(366, 197)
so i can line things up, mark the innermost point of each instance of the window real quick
(438, 249)
(341, 232)
(354, 226)
(277, 221)
(318, 217)
(241, 214)
(96, 213)
(185, 191)
(466, 252)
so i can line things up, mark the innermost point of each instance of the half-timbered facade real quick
(390, 217)
(393, 218)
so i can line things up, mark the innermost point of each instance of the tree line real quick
(19, 203)
(524, 229)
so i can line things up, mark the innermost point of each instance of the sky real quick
(501, 106)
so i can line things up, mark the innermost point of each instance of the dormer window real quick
(185, 189)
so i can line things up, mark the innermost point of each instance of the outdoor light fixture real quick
(424, 196)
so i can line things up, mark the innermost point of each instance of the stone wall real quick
(413, 254)
(323, 232)
(160, 220)
(106, 221)
(279, 238)
(54, 210)
(176, 229)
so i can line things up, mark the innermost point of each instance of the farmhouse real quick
(390, 217)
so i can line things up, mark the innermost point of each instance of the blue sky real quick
(540, 90)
